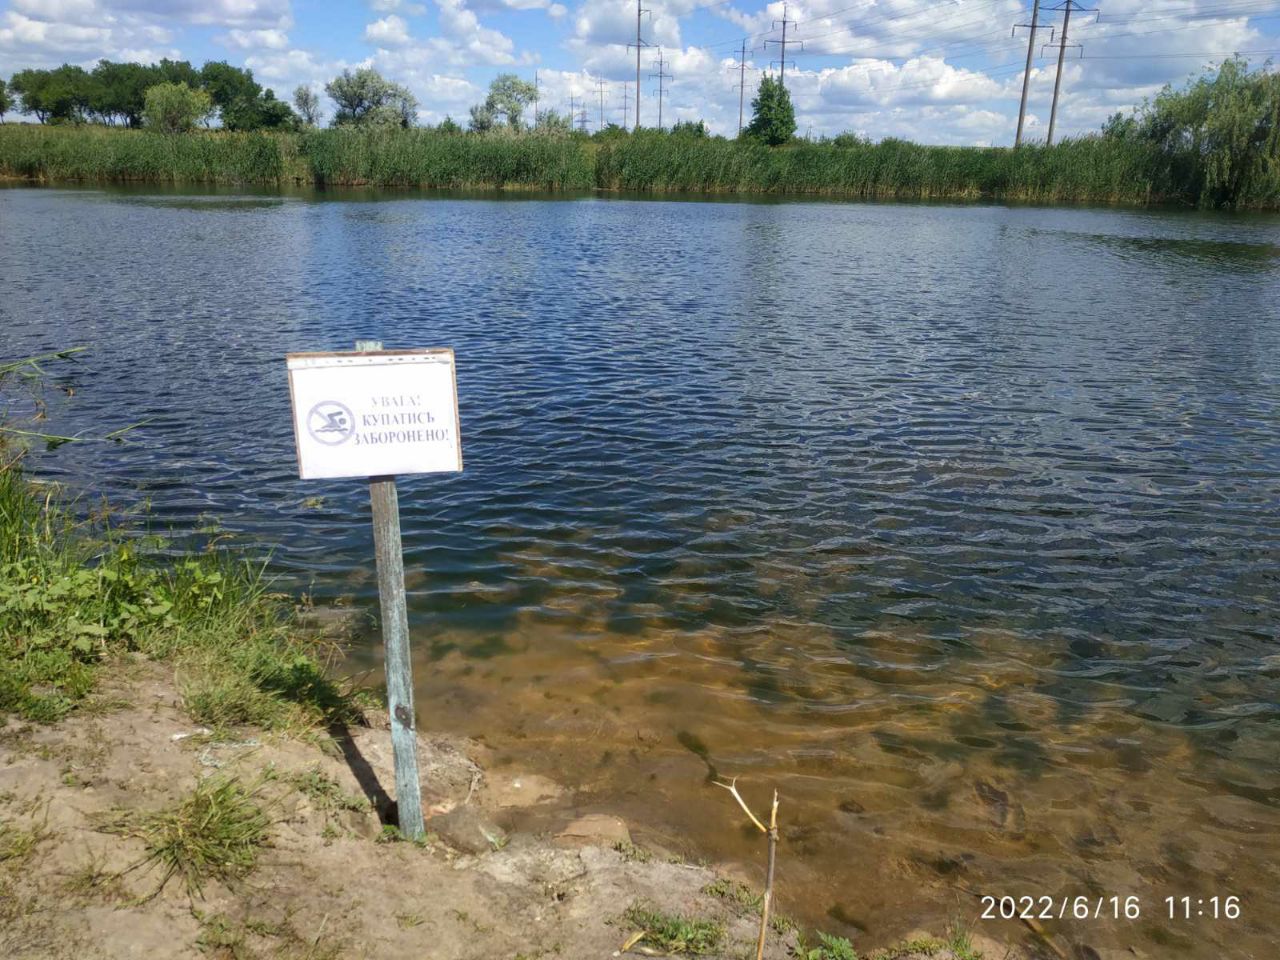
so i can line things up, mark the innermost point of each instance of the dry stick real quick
(772, 832)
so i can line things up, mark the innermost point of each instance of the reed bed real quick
(1088, 170)
(342, 157)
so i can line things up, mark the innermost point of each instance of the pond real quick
(958, 525)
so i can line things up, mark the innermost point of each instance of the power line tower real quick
(573, 109)
(601, 85)
(626, 103)
(582, 120)
(661, 75)
(742, 82)
(782, 73)
(1066, 7)
(1032, 27)
(640, 44)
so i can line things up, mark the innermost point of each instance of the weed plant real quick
(215, 831)
(75, 594)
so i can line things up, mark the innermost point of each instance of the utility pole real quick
(600, 88)
(1026, 75)
(1066, 7)
(639, 45)
(782, 73)
(742, 82)
(660, 75)
(573, 109)
(626, 104)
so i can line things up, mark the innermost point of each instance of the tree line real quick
(173, 96)
(116, 94)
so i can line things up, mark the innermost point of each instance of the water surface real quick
(960, 525)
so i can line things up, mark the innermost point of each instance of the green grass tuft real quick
(828, 948)
(73, 596)
(632, 853)
(325, 793)
(215, 831)
(734, 892)
(673, 933)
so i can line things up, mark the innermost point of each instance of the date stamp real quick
(1107, 908)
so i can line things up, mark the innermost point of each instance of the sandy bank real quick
(326, 881)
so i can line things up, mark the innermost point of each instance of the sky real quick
(935, 71)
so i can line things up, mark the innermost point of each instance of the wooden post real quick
(395, 640)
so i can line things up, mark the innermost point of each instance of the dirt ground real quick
(328, 883)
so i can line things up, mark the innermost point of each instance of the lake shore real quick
(1091, 170)
(182, 773)
(83, 801)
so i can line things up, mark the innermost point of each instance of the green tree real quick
(773, 119)
(850, 139)
(227, 85)
(611, 131)
(241, 102)
(1219, 134)
(482, 119)
(120, 91)
(364, 98)
(5, 103)
(508, 97)
(176, 71)
(61, 95)
(690, 128)
(307, 104)
(548, 121)
(263, 112)
(448, 125)
(175, 107)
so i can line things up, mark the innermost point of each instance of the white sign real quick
(375, 414)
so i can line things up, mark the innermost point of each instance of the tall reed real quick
(1095, 169)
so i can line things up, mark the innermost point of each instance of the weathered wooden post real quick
(378, 413)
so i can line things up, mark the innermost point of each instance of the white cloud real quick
(221, 13)
(29, 42)
(256, 39)
(20, 29)
(389, 30)
(59, 10)
(469, 39)
(391, 6)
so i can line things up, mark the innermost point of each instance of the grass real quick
(17, 844)
(228, 938)
(325, 793)
(1086, 170)
(746, 901)
(734, 892)
(94, 878)
(75, 594)
(632, 853)
(827, 948)
(348, 157)
(673, 933)
(216, 831)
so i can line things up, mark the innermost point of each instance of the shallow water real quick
(960, 525)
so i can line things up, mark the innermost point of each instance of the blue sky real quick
(939, 71)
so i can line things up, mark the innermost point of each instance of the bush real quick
(74, 595)
(1219, 135)
(175, 107)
